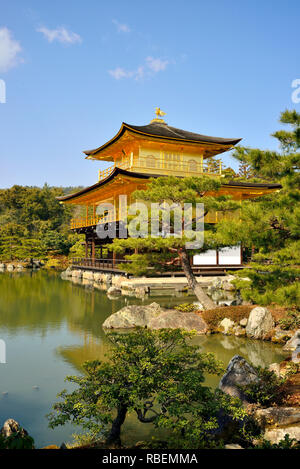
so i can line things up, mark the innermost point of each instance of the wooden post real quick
(93, 249)
(86, 247)
(87, 214)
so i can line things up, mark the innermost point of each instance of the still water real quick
(51, 326)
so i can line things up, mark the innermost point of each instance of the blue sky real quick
(75, 70)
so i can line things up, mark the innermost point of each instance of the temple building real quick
(138, 153)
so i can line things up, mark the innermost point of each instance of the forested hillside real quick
(34, 224)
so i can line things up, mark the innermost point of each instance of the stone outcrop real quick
(154, 317)
(275, 435)
(239, 373)
(132, 316)
(175, 319)
(11, 426)
(276, 422)
(260, 323)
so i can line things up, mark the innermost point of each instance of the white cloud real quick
(60, 34)
(119, 73)
(156, 65)
(9, 50)
(149, 68)
(121, 27)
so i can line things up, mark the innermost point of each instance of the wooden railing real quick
(82, 222)
(98, 263)
(163, 166)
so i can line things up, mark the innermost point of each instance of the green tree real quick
(158, 376)
(169, 250)
(271, 224)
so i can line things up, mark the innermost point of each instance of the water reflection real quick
(52, 326)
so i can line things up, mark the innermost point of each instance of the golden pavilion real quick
(138, 153)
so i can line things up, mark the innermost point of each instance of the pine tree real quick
(168, 251)
(271, 224)
(245, 171)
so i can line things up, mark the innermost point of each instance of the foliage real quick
(267, 390)
(292, 368)
(17, 440)
(269, 226)
(186, 307)
(78, 249)
(165, 247)
(33, 224)
(156, 375)
(212, 317)
(291, 320)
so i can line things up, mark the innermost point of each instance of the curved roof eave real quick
(163, 131)
(131, 174)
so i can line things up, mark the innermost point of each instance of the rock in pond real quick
(260, 323)
(114, 291)
(176, 319)
(226, 326)
(239, 373)
(132, 316)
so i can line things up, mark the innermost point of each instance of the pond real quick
(51, 326)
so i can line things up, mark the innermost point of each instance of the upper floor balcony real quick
(167, 164)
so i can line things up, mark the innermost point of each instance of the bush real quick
(267, 390)
(291, 320)
(16, 440)
(212, 317)
(186, 307)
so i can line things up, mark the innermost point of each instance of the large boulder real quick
(260, 323)
(176, 319)
(239, 373)
(276, 434)
(132, 316)
(279, 416)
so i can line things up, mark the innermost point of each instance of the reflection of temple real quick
(138, 153)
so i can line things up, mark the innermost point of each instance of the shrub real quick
(267, 390)
(16, 440)
(186, 307)
(212, 317)
(291, 320)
